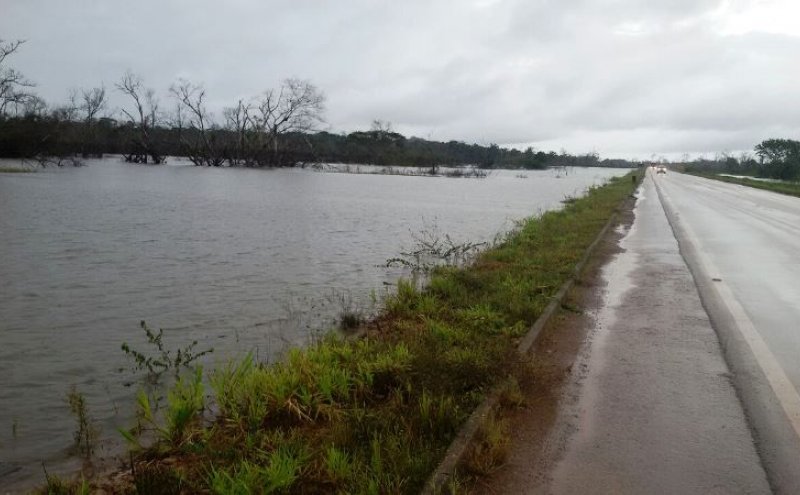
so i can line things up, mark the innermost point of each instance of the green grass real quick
(374, 414)
(788, 188)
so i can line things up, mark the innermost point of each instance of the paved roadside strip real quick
(656, 411)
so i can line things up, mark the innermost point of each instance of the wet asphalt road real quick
(658, 411)
(753, 238)
(743, 248)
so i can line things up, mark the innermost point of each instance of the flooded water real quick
(238, 260)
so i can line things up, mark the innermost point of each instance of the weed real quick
(156, 479)
(185, 404)
(350, 317)
(164, 359)
(275, 474)
(491, 447)
(432, 248)
(350, 321)
(84, 431)
(54, 485)
(510, 394)
(338, 465)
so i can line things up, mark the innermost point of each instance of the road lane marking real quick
(785, 392)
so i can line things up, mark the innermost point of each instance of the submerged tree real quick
(296, 108)
(143, 120)
(237, 123)
(200, 141)
(92, 102)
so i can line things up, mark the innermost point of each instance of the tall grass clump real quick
(85, 432)
(375, 414)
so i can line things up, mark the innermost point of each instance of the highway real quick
(742, 246)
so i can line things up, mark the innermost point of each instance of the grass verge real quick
(16, 170)
(788, 188)
(374, 414)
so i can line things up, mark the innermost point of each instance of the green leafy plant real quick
(163, 359)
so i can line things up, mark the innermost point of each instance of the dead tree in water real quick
(296, 108)
(260, 129)
(93, 101)
(143, 119)
(200, 141)
(237, 122)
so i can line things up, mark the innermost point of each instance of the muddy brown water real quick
(239, 260)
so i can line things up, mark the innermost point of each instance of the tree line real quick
(277, 128)
(774, 159)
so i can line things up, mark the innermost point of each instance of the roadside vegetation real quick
(372, 414)
(782, 187)
(774, 159)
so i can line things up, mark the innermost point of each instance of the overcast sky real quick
(627, 78)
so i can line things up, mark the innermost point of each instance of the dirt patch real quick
(550, 383)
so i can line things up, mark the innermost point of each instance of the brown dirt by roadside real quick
(551, 382)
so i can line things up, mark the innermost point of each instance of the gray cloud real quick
(621, 77)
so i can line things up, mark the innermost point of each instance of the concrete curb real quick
(455, 453)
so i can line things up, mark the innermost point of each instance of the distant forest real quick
(277, 128)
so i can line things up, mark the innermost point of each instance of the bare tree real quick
(92, 102)
(144, 117)
(237, 122)
(12, 82)
(297, 107)
(199, 142)
(262, 131)
(34, 106)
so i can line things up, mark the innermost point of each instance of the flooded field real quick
(238, 260)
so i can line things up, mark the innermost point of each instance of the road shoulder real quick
(633, 395)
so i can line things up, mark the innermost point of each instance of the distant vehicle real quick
(661, 169)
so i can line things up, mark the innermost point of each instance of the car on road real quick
(661, 169)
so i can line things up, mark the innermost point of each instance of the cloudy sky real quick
(627, 78)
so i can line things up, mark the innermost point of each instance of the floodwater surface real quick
(238, 260)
